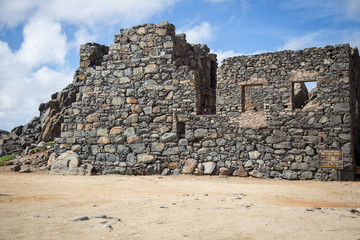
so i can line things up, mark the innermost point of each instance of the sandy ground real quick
(40, 206)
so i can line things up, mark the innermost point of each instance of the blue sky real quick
(39, 40)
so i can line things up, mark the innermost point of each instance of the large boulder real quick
(189, 166)
(67, 163)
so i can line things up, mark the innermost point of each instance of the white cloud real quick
(44, 42)
(83, 36)
(202, 33)
(22, 89)
(81, 11)
(222, 55)
(39, 68)
(15, 12)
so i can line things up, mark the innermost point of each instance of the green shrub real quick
(4, 160)
(48, 144)
(35, 150)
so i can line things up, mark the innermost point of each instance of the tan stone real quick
(241, 172)
(159, 119)
(170, 95)
(168, 87)
(161, 31)
(225, 171)
(214, 135)
(141, 31)
(169, 119)
(103, 140)
(169, 44)
(133, 139)
(151, 68)
(82, 77)
(52, 157)
(131, 100)
(64, 146)
(156, 109)
(164, 129)
(323, 135)
(189, 166)
(116, 130)
(144, 157)
(136, 108)
(185, 82)
(173, 165)
(138, 71)
(92, 118)
(76, 148)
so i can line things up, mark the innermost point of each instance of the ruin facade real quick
(151, 103)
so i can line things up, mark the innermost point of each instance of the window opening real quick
(304, 95)
(180, 129)
(252, 98)
(205, 86)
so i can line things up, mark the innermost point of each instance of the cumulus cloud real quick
(29, 75)
(44, 42)
(23, 88)
(202, 33)
(83, 12)
(15, 12)
(221, 55)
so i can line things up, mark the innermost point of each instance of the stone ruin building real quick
(151, 103)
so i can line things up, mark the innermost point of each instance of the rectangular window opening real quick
(304, 95)
(252, 98)
(180, 129)
(205, 87)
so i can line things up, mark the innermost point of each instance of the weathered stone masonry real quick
(152, 104)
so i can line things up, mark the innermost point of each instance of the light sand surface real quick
(40, 206)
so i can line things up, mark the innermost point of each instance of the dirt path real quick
(38, 206)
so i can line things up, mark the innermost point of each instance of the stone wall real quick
(287, 146)
(152, 104)
(124, 120)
